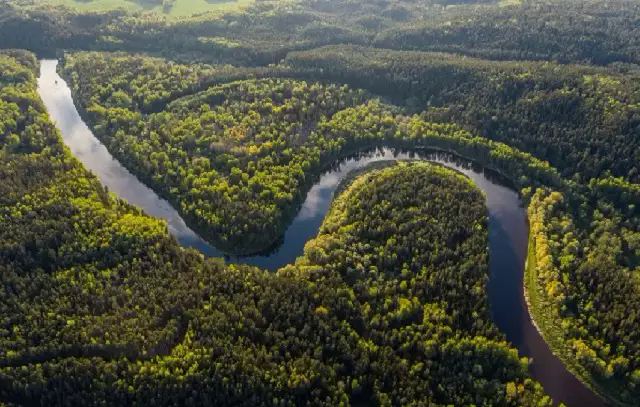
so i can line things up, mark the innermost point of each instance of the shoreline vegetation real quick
(547, 323)
(395, 132)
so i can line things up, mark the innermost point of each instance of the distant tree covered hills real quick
(583, 120)
(578, 32)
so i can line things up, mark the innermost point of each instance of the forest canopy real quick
(244, 126)
(265, 31)
(233, 115)
(98, 298)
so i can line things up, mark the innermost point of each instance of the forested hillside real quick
(168, 8)
(583, 120)
(236, 158)
(586, 31)
(100, 306)
(597, 230)
(233, 116)
(418, 271)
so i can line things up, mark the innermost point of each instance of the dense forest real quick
(583, 120)
(585, 31)
(234, 120)
(236, 158)
(233, 116)
(98, 298)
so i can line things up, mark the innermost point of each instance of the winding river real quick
(508, 229)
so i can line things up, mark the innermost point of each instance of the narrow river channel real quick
(508, 229)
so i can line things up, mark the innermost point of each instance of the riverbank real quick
(549, 326)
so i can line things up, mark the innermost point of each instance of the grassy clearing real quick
(505, 3)
(181, 8)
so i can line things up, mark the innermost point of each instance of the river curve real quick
(508, 229)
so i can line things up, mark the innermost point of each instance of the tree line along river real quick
(508, 228)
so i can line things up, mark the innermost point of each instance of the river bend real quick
(508, 229)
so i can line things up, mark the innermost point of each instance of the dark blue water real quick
(508, 229)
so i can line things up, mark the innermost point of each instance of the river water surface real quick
(508, 229)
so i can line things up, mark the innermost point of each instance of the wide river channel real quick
(508, 229)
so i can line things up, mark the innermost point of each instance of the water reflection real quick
(508, 229)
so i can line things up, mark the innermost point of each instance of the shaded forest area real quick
(579, 32)
(583, 120)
